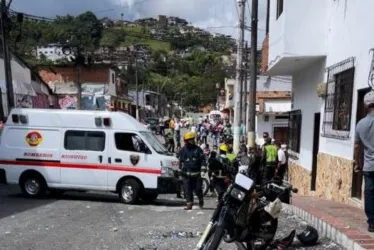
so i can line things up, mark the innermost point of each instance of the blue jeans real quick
(369, 196)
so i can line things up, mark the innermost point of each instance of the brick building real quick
(100, 86)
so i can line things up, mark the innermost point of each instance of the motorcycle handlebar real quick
(280, 184)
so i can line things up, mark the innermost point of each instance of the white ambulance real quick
(64, 150)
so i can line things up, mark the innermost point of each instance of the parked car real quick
(152, 124)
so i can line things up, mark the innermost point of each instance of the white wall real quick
(273, 83)
(298, 31)
(277, 106)
(305, 99)
(349, 33)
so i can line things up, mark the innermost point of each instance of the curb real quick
(325, 229)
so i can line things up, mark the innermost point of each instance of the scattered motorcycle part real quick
(274, 208)
(284, 243)
(309, 236)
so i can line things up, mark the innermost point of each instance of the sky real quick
(216, 16)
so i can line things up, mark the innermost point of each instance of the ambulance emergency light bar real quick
(100, 121)
(19, 119)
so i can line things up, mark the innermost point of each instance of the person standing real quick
(282, 162)
(364, 140)
(177, 130)
(171, 143)
(204, 134)
(172, 124)
(191, 161)
(269, 159)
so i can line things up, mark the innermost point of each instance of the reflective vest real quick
(271, 152)
(231, 157)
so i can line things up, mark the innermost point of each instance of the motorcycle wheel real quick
(266, 235)
(214, 238)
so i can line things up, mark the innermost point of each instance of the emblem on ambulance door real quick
(34, 138)
(134, 159)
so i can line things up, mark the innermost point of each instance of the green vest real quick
(231, 157)
(271, 153)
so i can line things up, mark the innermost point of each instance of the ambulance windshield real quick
(154, 142)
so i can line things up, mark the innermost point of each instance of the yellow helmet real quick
(223, 147)
(189, 136)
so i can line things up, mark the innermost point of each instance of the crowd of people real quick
(265, 162)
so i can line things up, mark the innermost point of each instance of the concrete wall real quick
(299, 30)
(305, 99)
(348, 35)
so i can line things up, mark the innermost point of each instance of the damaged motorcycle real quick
(247, 215)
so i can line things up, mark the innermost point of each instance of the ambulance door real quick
(84, 159)
(129, 155)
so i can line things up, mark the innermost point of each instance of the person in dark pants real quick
(170, 137)
(269, 159)
(282, 162)
(364, 140)
(217, 166)
(191, 161)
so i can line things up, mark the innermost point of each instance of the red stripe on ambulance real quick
(50, 164)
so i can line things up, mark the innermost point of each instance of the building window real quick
(84, 140)
(279, 8)
(338, 102)
(294, 131)
(113, 78)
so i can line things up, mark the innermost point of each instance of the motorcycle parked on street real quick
(247, 215)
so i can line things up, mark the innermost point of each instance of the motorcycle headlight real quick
(237, 193)
(167, 172)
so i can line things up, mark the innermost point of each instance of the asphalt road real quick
(98, 221)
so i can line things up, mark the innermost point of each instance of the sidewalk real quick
(344, 224)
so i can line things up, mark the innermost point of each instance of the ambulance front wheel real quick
(32, 184)
(129, 190)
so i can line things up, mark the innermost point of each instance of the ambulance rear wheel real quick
(129, 191)
(33, 185)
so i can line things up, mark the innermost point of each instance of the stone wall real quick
(300, 178)
(334, 178)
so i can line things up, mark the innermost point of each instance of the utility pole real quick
(239, 66)
(79, 86)
(253, 87)
(7, 56)
(79, 61)
(245, 82)
(136, 86)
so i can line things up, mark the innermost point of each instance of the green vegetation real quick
(190, 79)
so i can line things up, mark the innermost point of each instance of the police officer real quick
(191, 160)
(269, 159)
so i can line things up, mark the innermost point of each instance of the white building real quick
(323, 44)
(273, 104)
(51, 52)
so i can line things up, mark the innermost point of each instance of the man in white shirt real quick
(282, 162)
(193, 128)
